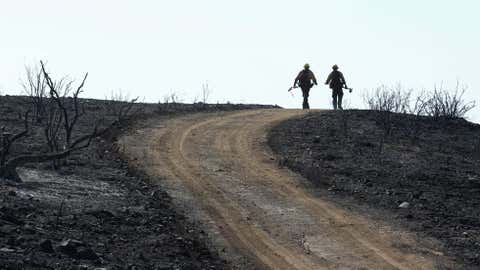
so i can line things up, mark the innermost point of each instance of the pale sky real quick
(249, 51)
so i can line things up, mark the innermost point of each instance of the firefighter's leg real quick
(305, 98)
(340, 98)
(334, 99)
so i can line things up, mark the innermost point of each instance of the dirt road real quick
(259, 216)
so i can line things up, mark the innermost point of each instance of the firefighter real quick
(305, 80)
(337, 83)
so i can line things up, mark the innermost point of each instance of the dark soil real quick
(379, 161)
(94, 212)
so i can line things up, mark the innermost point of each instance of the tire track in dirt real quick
(261, 211)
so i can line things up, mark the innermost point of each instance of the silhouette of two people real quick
(306, 79)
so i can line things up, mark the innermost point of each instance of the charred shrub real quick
(435, 105)
(442, 103)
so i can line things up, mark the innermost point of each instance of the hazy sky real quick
(248, 51)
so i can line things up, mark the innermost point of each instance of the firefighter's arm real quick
(297, 79)
(329, 78)
(344, 81)
(314, 79)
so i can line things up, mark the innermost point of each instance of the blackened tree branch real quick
(8, 140)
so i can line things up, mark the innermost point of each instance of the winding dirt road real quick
(218, 168)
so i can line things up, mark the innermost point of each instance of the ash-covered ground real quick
(94, 212)
(421, 173)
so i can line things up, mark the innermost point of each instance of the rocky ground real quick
(95, 212)
(423, 173)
